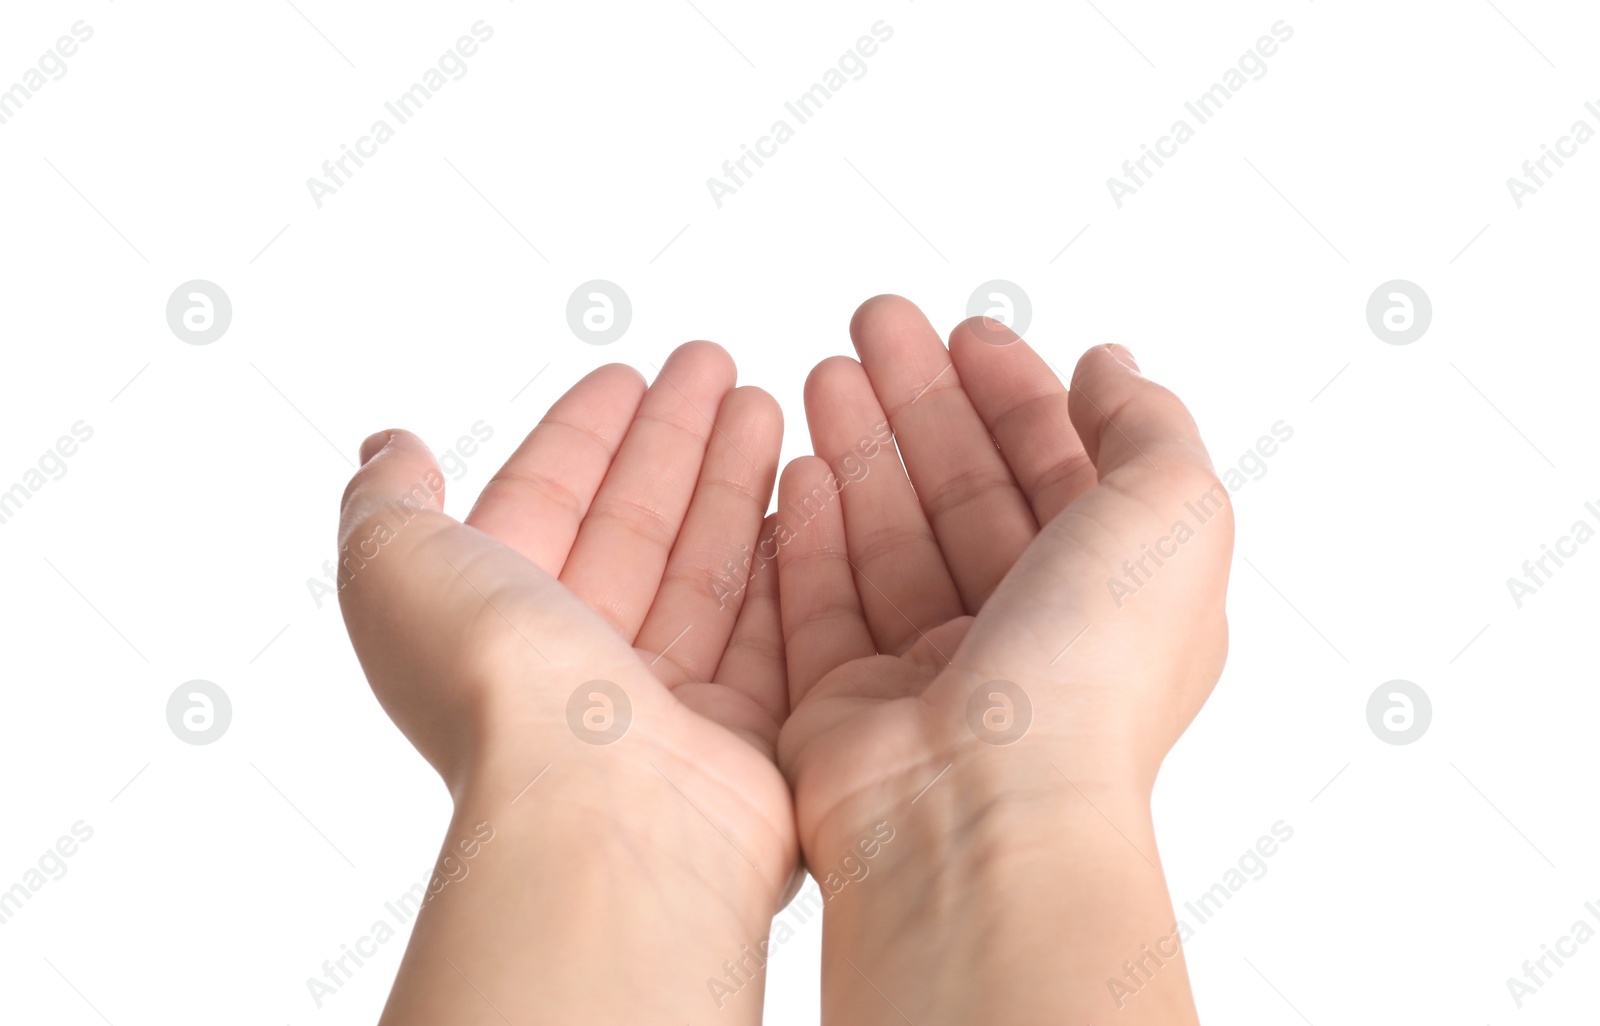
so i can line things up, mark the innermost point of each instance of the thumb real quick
(397, 473)
(1127, 420)
(402, 599)
(391, 510)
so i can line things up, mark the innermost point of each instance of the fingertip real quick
(702, 348)
(974, 326)
(808, 521)
(884, 301)
(1124, 356)
(801, 470)
(396, 465)
(992, 333)
(374, 444)
(1153, 425)
(704, 358)
(757, 402)
(751, 421)
(800, 478)
(887, 315)
(615, 374)
(825, 376)
(1109, 356)
(987, 352)
(380, 443)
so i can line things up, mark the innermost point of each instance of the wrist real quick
(946, 777)
(636, 817)
(1002, 897)
(970, 823)
(547, 912)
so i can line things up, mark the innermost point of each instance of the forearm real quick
(563, 917)
(1045, 906)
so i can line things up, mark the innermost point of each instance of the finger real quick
(701, 591)
(397, 471)
(903, 583)
(622, 546)
(979, 515)
(390, 567)
(1129, 421)
(537, 500)
(420, 593)
(823, 622)
(753, 664)
(1024, 406)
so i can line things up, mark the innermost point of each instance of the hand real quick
(595, 554)
(1004, 556)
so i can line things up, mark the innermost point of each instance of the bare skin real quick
(635, 881)
(620, 881)
(1022, 875)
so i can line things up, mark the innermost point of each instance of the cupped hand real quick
(1036, 580)
(576, 638)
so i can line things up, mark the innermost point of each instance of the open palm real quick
(988, 557)
(596, 554)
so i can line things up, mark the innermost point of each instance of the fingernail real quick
(374, 444)
(1121, 355)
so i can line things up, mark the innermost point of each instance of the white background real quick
(429, 291)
